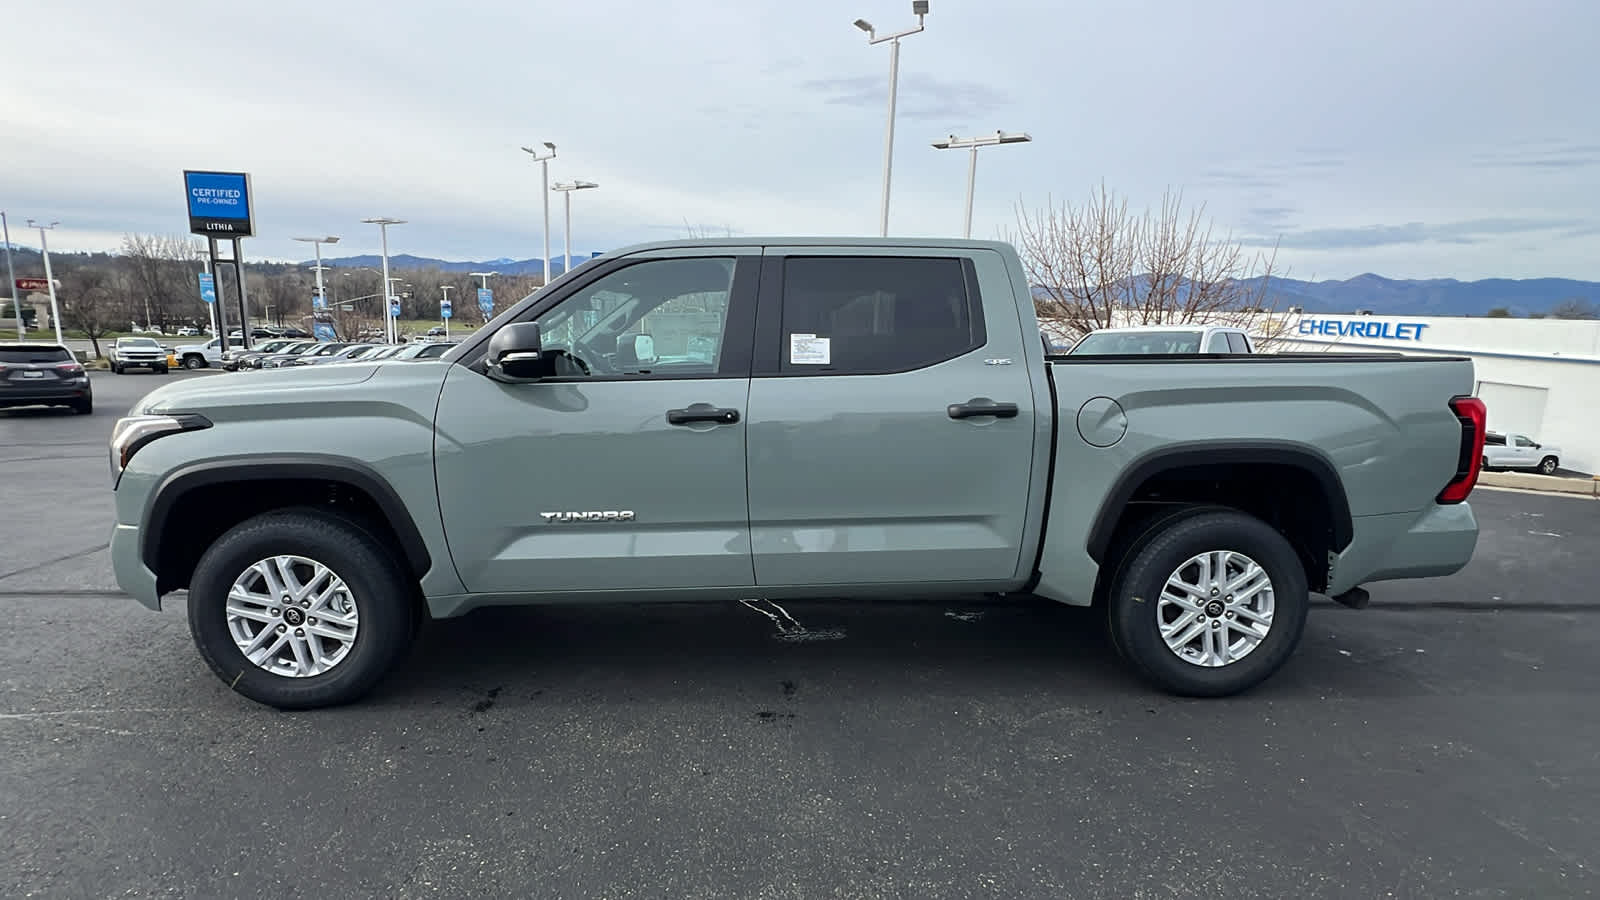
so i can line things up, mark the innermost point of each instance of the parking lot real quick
(1444, 742)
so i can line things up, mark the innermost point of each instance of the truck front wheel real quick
(1208, 604)
(193, 361)
(299, 609)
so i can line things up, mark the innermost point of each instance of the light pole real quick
(446, 289)
(44, 249)
(390, 326)
(322, 299)
(920, 9)
(988, 140)
(543, 159)
(566, 234)
(11, 276)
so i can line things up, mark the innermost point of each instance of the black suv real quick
(43, 374)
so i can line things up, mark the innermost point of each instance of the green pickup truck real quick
(788, 418)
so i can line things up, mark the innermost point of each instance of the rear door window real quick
(868, 315)
(1218, 343)
(1237, 344)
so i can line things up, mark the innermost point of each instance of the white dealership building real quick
(1539, 377)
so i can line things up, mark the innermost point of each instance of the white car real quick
(1165, 340)
(1518, 451)
(138, 353)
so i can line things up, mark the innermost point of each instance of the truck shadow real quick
(639, 646)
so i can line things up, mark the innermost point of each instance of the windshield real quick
(149, 343)
(1130, 343)
(36, 354)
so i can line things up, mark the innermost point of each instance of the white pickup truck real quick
(1518, 451)
(200, 356)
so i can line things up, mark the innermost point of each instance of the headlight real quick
(132, 432)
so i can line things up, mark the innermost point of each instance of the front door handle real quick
(702, 412)
(982, 406)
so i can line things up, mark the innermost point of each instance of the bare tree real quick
(1574, 308)
(161, 271)
(88, 303)
(1094, 265)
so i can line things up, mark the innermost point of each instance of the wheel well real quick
(194, 520)
(1291, 498)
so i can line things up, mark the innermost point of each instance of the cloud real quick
(1534, 158)
(1370, 236)
(918, 96)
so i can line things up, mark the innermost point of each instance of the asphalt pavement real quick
(1440, 743)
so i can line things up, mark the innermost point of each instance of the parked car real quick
(138, 353)
(188, 331)
(1164, 340)
(321, 349)
(1518, 451)
(238, 357)
(340, 354)
(879, 419)
(432, 350)
(284, 354)
(200, 356)
(42, 373)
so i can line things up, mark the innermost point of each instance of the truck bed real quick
(1374, 429)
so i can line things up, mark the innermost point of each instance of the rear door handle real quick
(982, 406)
(702, 412)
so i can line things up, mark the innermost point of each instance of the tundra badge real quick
(610, 515)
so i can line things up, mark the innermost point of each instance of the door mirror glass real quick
(516, 353)
(644, 348)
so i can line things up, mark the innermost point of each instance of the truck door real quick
(892, 425)
(626, 471)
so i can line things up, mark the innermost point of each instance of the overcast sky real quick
(1413, 139)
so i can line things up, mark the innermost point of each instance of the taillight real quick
(70, 368)
(1473, 416)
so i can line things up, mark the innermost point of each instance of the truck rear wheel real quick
(299, 609)
(1208, 604)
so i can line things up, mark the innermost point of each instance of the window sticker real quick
(809, 350)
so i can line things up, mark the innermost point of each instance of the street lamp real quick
(919, 8)
(989, 140)
(446, 289)
(390, 327)
(322, 299)
(44, 249)
(11, 276)
(566, 235)
(543, 159)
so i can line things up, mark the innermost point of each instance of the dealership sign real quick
(219, 203)
(32, 284)
(1390, 331)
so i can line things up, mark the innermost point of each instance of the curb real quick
(1544, 484)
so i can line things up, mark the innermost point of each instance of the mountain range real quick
(1384, 296)
(503, 265)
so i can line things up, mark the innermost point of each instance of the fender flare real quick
(268, 467)
(1227, 453)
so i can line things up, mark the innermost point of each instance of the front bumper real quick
(133, 576)
(1430, 543)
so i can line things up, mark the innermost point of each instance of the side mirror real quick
(515, 353)
(644, 348)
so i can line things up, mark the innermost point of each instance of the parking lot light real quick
(390, 327)
(50, 281)
(566, 190)
(988, 140)
(543, 157)
(919, 8)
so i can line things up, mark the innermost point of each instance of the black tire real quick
(194, 362)
(163, 370)
(385, 603)
(116, 369)
(1141, 577)
(83, 407)
(1549, 465)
